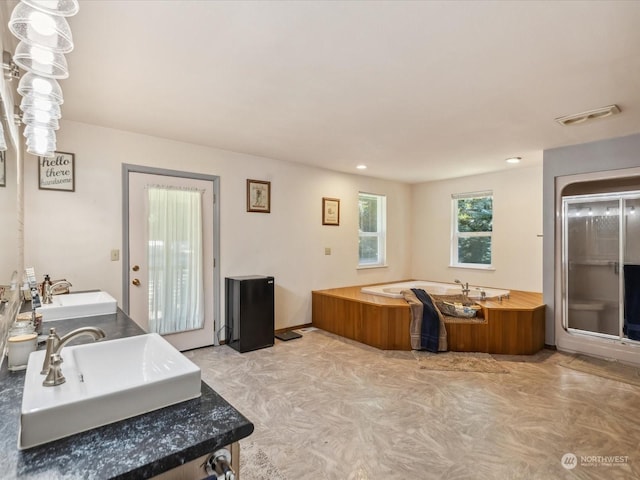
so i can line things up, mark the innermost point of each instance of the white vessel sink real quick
(76, 305)
(106, 381)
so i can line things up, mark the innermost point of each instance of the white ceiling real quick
(417, 91)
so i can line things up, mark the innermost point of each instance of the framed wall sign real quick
(330, 211)
(258, 196)
(57, 172)
(3, 169)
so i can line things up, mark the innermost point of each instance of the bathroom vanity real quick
(149, 445)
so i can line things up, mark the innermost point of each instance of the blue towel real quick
(632, 301)
(430, 330)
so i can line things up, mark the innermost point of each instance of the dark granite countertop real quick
(139, 447)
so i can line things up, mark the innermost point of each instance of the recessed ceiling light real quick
(513, 160)
(579, 118)
(361, 167)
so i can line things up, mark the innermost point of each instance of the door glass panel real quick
(592, 255)
(174, 254)
(631, 327)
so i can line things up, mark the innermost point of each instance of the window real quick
(472, 229)
(372, 231)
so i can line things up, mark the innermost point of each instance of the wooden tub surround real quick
(514, 326)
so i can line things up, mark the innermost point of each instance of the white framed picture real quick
(57, 172)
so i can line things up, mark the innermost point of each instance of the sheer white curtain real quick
(175, 256)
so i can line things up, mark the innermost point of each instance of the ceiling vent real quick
(583, 117)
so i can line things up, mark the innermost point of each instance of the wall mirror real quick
(9, 231)
(11, 234)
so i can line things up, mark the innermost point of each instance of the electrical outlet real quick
(115, 255)
(327, 250)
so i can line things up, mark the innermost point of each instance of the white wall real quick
(517, 250)
(70, 235)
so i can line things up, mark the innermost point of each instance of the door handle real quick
(135, 268)
(136, 282)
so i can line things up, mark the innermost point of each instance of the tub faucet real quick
(52, 358)
(465, 287)
(49, 290)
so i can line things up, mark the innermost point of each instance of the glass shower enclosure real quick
(601, 265)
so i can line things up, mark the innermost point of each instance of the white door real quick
(171, 277)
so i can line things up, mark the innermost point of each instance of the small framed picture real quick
(258, 196)
(330, 211)
(57, 172)
(3, 169)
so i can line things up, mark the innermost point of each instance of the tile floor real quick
(325, 407)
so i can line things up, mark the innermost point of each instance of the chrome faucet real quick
(465, 287)
(49, 290)
(483, 294)
(52, 358)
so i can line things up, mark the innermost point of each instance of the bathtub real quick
(394, 290)
(514, 326)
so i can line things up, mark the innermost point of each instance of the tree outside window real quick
(371, 241)
(472, 229)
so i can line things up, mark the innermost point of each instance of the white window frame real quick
(456, 235)
(381, 233)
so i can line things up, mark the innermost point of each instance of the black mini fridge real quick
(250, 312)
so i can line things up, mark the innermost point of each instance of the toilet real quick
(585, 315)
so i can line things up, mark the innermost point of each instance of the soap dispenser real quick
(46, 290)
